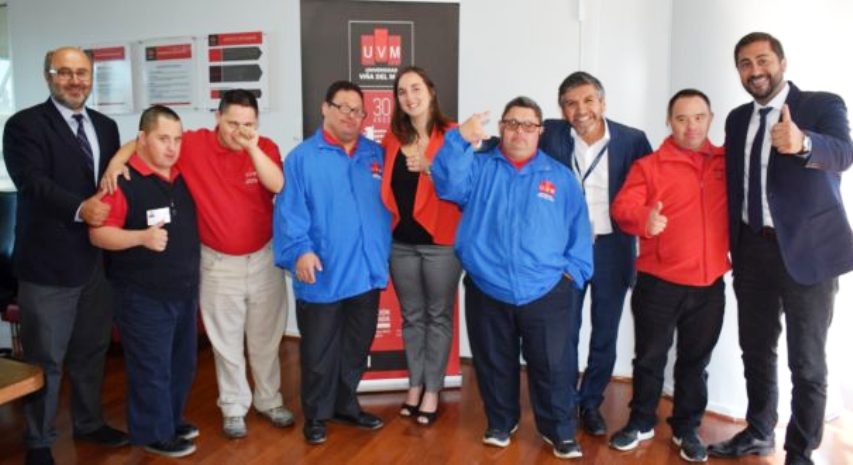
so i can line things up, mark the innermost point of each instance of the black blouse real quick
(404, 185)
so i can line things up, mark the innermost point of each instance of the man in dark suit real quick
(54, 152)
(790, 240)
(600, 153)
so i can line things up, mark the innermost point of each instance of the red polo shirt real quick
(233, 207)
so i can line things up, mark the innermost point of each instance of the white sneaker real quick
(278, 416)
(234, 427)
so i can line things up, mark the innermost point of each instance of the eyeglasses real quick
(348, 110)
(67, 73)
(514, 125)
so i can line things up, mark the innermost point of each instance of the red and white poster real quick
(168, 73)
(236, 60)
(386, 364)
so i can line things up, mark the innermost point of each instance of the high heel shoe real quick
(408, 410)
(426, 418)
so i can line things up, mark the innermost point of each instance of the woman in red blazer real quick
(424, 269)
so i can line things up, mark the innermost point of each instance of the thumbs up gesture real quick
(93, 210)
(785, 136)
(155, 238)
(657, 222)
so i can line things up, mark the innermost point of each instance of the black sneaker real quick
(565, 449)
(106, 436)
(691, 446)
(592, 422)
(175, 447)
(498, 438)
(187, 431)
(628, 438)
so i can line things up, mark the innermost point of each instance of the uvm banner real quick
(368, 43)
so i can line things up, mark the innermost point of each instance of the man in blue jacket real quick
(332, 232)
(600, 152)
(790, 240)
(525, 243)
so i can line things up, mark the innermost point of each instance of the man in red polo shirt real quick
(233, 174)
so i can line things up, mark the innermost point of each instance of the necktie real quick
(84, 142)
(753, 207)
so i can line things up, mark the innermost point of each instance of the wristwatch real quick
(807, 145)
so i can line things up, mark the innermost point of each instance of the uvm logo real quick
(380, 48)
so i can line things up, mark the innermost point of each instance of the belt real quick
(766, 231)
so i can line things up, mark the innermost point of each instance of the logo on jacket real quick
(547, 190)
(376, 170)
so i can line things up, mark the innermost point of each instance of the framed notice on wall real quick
(169, 72)
(112, 86)
(236, 60)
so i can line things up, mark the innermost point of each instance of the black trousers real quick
(545, 332)
(336, 339)
(765, 291)
(660, 309)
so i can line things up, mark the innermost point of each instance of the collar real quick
(536, 162)
(579, 142)
(68, 114)
(331, 140)
(144, 169)
(777, 101)
(669, 150)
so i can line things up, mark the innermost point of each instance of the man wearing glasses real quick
(334, 235)
(525, 242)
(55, 152)
(600, 152)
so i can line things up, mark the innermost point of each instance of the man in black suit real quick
(790, 240)
(54, 152)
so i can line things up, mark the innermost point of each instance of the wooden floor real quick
(453, 439)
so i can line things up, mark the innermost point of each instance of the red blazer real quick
(438, 217)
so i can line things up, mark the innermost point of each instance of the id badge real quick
(158, 215)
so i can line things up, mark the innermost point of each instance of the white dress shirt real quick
(594, 182)
(772, 118)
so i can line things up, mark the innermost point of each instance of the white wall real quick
(815, 40)
(642, 51)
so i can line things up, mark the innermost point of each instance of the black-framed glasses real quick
(514, 125)
(67, 73)
(348, 110)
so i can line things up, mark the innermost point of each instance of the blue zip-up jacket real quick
(521, 230)
(331, 206)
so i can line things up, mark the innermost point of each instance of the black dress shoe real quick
(742, 444)
(592, 422)
(363, 420)
(39, 456)
(314, 431)
(105, 436)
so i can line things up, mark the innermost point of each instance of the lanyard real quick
(591, 166)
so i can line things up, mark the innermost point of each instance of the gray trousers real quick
(426, 278)
(70, 326)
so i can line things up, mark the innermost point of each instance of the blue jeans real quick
(159, 340)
